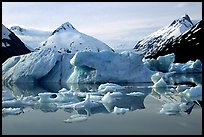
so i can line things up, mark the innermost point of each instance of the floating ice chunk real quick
(176, 108)
(111, 97)
(162, 63)
(87, 103)
(12, 103)
(47, 97)
(11, 111)
(62, 96)
(76, 118)
(181, 88)
(7, 95)
(96, 98)
(63, 90)
(160, 83)
(156, 77)
(166, 77)
(187, 107)
(170, 109)
(118, 110)
(109, 87)
(189, 67)
(135, 94)
(65, 96)
(194, 93)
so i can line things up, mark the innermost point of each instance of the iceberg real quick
(109, 67)
(189, 67)
(162, 63)
(193, 93)
(166, 64)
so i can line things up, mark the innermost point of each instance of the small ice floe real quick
(119, 111)
(76, 118)
(111, 97)
(181, 88)
(87, 103)
(47, 97)
(109, 87)
(170, 109)
(135, 94)
(62, 96)
(12, 103)
(65, 96)
(176, 108)
(11, 111)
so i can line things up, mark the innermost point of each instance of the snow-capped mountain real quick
(186, 47)
(157, 40)
(31, 37)
(67, 39)
(11, 45)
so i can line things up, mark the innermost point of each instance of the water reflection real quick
(84, 100)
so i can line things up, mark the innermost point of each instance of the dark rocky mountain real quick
(11, 45)
(186, 47)
(158, 40)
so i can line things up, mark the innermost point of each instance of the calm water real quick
(143, 117)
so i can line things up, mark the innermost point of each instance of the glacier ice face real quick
(107, 66)
(43, 65)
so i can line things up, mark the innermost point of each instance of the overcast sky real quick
(114, 23)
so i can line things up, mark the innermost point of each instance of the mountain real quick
(11, 45)
(186, 47)
(67, 39)
(31, 37)
(158, 40)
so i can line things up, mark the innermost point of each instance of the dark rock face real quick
(186, 47)
(13, 47)
(158, 40)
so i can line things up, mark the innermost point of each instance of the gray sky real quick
(114, 23)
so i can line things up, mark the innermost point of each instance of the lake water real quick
(138, 113)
